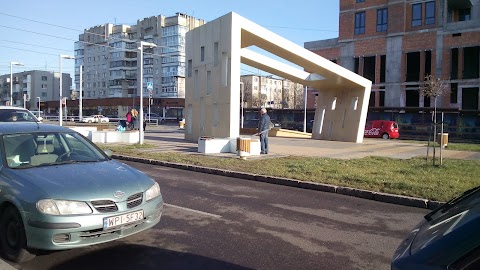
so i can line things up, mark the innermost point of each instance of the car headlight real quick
(63, 207)
(152, 192)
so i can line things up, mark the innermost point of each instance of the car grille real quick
(134, 200)
(105, 206)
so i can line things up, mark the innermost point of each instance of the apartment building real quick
(269, 92)
(107, 56)
(395, 44)
(28, 86)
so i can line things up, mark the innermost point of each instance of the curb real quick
(354, 192)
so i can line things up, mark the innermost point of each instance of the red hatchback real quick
(381, 129)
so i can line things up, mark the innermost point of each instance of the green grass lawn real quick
(410, 177)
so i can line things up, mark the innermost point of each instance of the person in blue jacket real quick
(263, 128)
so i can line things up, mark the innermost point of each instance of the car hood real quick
(86, 181)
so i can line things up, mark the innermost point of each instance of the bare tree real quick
(247, 94)
(298, 96)
(434, 87)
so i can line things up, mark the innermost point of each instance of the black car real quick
(447, 238)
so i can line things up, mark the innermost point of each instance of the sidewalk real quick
(169, 138)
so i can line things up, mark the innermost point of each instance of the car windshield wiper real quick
(452, 202)
(74, 161)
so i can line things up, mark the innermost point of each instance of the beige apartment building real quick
(107, 55)
(269, 92)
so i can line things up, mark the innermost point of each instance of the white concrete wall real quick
(215, 113)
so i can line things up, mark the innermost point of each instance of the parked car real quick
(60, 191)
(447, 238)
(154, 117)
(381, 129)
(16, 114)
(97, 118)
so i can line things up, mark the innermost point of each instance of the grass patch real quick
(410, 177)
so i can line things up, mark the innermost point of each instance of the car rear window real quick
(12, 115)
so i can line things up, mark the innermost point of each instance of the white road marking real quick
(193, 210)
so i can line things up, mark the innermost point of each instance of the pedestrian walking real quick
(263, 128)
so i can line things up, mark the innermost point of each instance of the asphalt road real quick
(215, 222)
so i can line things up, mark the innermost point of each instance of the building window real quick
(430, 12)
(453, 93)
(44, 86)
(382, 20)
(360, 1)
(417, 14)
(464, 14)
(44, 78)
(359, 23)
(202, 53)
(189, 68)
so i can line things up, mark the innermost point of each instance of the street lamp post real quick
(242, 86)
(60, 116)
(80, 103)
(11, 79)
(140, 86)
(38, 106)
(305, 111)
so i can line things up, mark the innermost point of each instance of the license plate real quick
(119, 220)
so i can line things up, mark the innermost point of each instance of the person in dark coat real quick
(263, 128)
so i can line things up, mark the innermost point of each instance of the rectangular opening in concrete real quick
(453, 93)
(470, 98)
(454, 63)
(413, 67)
(224, 75)
(458, 10)
(412, 98)
(215, 54)
(369, 68)
(371, 102)
(357, 65)
(381, 97)
(471, 58)
(428, 63)
(383, 69)
(209, 83)
(426, 101)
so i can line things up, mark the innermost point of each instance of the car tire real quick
(13, 242)
(385, 136)
(89, 121)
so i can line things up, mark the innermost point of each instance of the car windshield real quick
(14, 115)
(26, 150)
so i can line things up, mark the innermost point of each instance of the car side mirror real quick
(108, 152)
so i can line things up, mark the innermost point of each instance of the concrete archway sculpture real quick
(214, 54)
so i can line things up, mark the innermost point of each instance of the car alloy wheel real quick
(13, 242)
(385, 136)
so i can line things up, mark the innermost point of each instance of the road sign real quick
(149, 86)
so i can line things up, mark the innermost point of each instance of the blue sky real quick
(36, 32)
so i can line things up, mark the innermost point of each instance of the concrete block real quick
(213, 145)
(112, 136)
(98, 136)
(129, 136)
